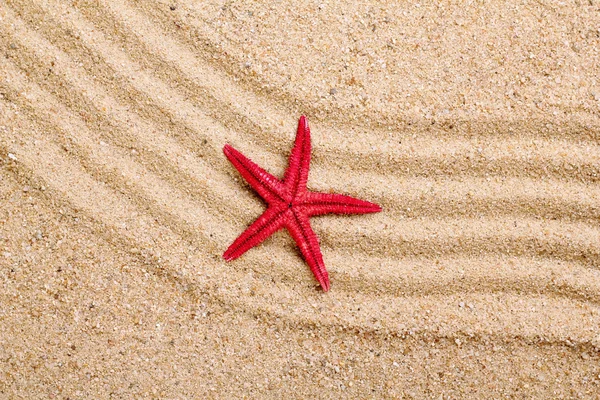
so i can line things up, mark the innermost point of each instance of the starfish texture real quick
(291, 204)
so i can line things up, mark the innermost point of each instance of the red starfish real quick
(291, 204)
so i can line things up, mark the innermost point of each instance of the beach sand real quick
(476, 126)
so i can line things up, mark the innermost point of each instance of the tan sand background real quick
(476, 125)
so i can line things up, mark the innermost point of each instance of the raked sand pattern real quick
(475, 126)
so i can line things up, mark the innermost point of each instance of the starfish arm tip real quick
(230, 255)
(372, 207)
(303, 123)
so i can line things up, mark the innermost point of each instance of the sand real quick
(476, 126)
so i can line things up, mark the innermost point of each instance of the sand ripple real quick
(113, 116)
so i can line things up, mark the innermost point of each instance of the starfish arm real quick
(266, 185)
(325, 203)
(296, 175)
(307, 241)
(268, 223)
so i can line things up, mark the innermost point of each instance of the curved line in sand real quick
(133, 193)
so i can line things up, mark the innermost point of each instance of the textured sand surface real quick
(476, 126)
